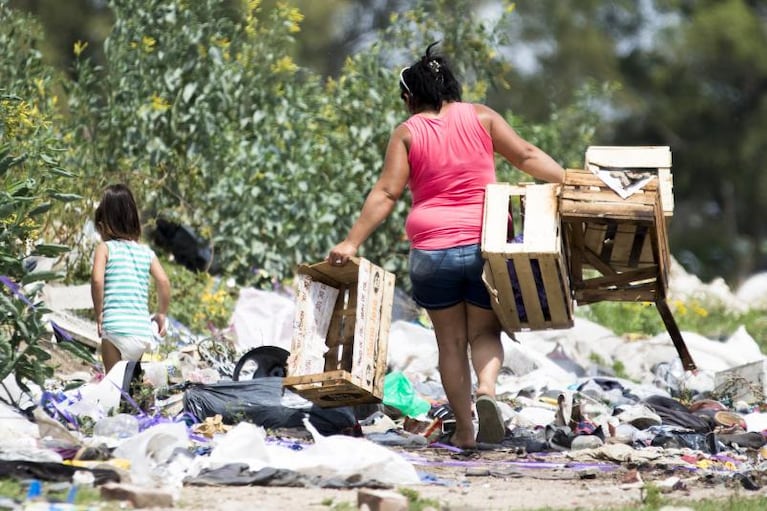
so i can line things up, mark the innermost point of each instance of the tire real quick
(263, 361)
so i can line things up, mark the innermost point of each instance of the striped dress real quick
(126, 289)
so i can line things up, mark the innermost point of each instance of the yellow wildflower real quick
(284, 65)
(148, 43)
(221, 42)
(680, 307)
(293, 18)
(40, 85)
(159, 103)
(251, 7)
(699, 310)
(79, 47)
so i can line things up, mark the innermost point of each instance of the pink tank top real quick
(451, 161)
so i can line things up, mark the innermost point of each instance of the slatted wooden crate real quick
(527, 278)
(614, 235)
(341, 333)
(617, 248)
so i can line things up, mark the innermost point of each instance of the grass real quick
(710, 320)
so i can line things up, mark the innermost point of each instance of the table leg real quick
(676, 335)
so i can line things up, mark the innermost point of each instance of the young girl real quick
(120, 280)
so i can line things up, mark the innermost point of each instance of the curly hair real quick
(429, 82)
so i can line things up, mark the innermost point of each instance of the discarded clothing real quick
(674, 413)
(54, 472)
(238, 474)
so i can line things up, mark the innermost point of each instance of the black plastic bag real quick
(260, 401)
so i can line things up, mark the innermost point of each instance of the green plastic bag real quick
(399, 393)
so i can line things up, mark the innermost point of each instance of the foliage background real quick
(264, 136)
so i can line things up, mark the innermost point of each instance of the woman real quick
(445, 153)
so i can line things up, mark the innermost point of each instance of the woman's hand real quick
(341, 253)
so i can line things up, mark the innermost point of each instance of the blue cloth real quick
(443, 278)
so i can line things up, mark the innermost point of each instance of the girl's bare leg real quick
(110, 355)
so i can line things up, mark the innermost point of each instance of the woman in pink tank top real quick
(445, 153)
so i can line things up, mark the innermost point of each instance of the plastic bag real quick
(261, 402)
(400, 393)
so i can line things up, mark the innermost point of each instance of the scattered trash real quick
(214, 411)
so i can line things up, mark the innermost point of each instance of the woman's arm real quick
(519, 152)
(381, 199)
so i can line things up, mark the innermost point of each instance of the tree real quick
(703, 90)
(692, 76)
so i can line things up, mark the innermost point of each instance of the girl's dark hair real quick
(117, 215)
(429, 81)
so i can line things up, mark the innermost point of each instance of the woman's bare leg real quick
(484, 337)
(454, 369)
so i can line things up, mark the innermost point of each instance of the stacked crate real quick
(616, 244)
(624, 240)
(653, 159)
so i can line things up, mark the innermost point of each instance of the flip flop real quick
(491, 427)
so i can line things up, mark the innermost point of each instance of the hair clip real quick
(434, 66)
(402, 79)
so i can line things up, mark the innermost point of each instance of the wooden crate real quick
(341, 333)
(617, 248)
(625, 240)
(527, 279)
(656, 159)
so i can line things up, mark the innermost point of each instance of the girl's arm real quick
(97, 283)
(162, 284)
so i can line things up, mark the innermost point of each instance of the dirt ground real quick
(496, 480)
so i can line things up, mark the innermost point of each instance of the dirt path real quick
(494, 481)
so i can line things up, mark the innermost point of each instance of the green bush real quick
(200, 301)
(205, 114)
(31, 185)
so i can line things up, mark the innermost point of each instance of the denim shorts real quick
(443, 278)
